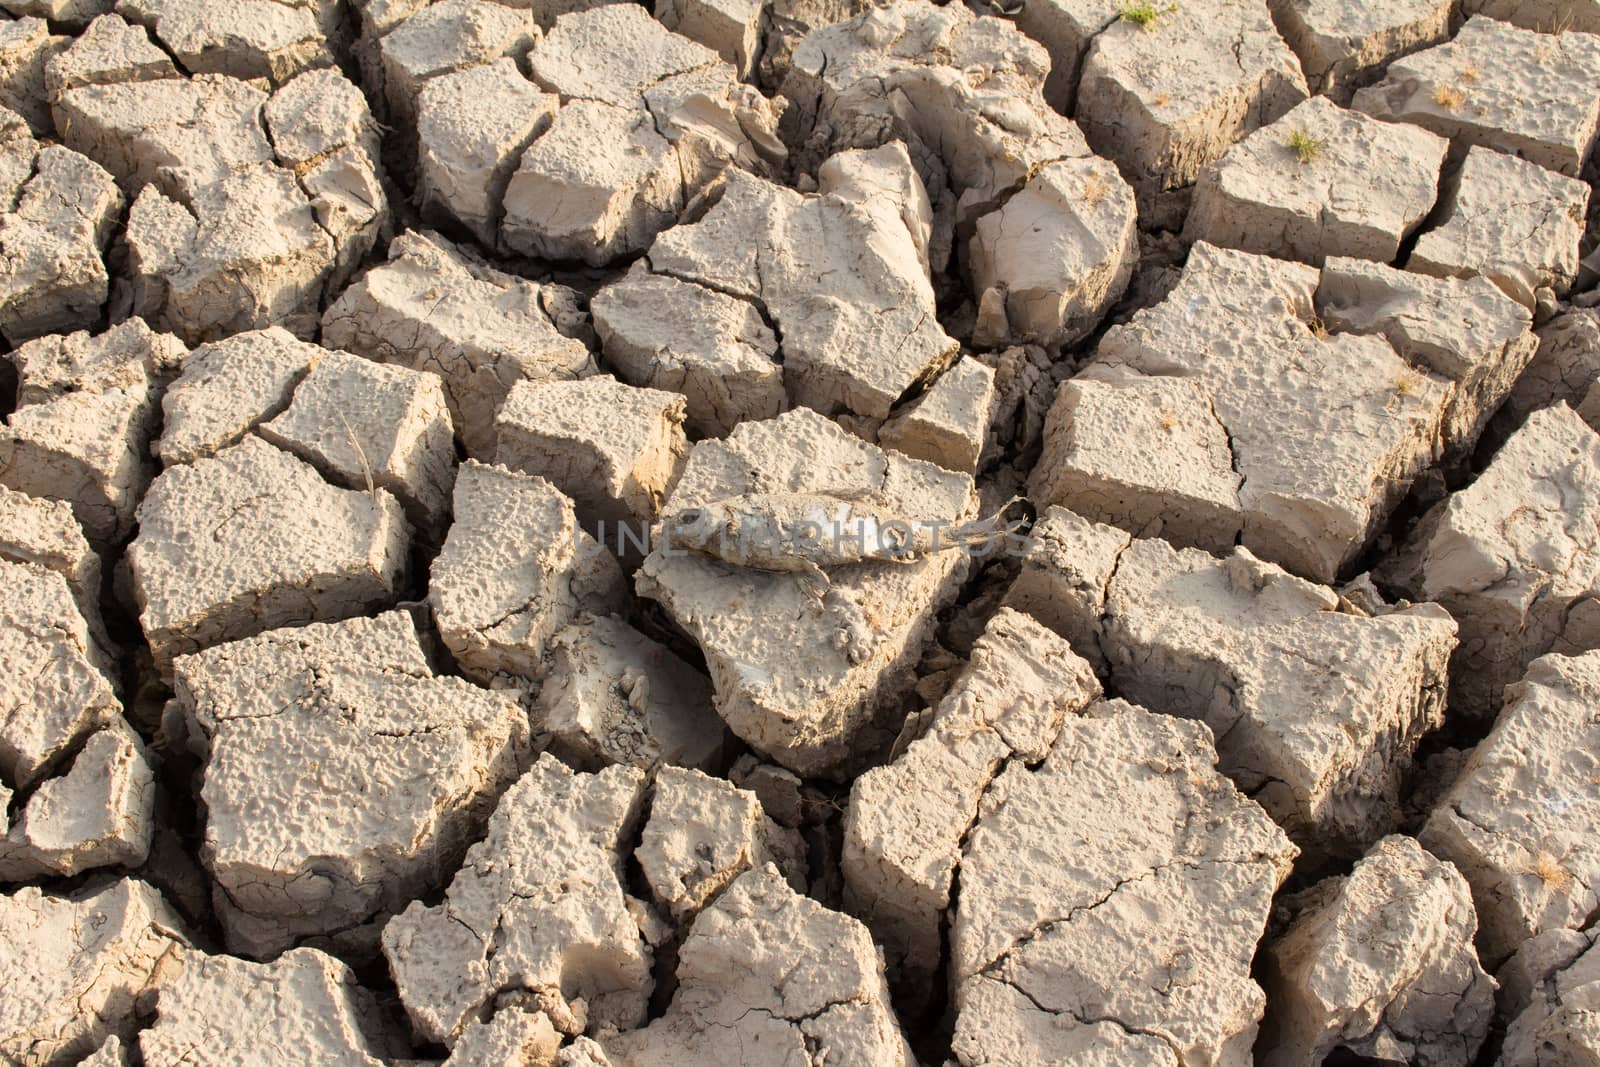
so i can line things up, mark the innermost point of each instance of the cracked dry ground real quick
(339, 725)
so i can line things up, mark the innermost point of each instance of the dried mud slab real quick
(766, 968)
(109, 50)
(848, 80)
(377, 771)
(614, 448)
(59, 211)
(1514, 558)
(405, 45)
(515, 1036)
(252, 539)
(1036, 209)
(99, 813)
(1519, 817)
(77, 968)
(908, 820)
(1548, 16)
(402, 439)
(1552, 1006)
(703, 833)
(51, 367)
(716, 350)
(840, 282)
(432, 308)
(322, 130)
(303, 1005)
(514, 571)
(1345, 45)
(1510, 221)
(1316, 706)
(1225, 453)
(1564, 368)
(244, 39)
(609, 694)
(473, 126)
(1466, 331)
(1084, 936)
(1316, 433)
(949, 423)
(247, 210)
(183, 135)
(1064, 578)
(45, 533)
(1060, 250)
(1168, 98)
(228, 388)
(1495, 85)
(730, 28)
(1066, 29)
(71, 14)
(54, 694)
(1265, 195)
(648, 120)
(1379, 964)
(539, 914)
(1185, 488)
(88, 410)
(26, 48)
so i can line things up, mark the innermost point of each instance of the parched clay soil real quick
(427, 635)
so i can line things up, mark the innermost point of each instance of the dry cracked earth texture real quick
(404, 658)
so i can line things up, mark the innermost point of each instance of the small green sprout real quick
(1142, 13)
(1306, 147)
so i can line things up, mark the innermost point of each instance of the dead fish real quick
(806, 533)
